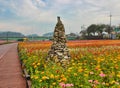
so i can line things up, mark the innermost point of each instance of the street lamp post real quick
(7, 36)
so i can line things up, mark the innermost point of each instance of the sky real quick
(40, 16)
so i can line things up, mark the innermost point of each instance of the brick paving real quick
(10, 68)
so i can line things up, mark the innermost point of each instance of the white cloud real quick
(40, 3)
(65, 1)
(74, 13)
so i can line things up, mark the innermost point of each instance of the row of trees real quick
(96, 28)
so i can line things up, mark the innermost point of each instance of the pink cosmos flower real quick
(63, 85)
(103, 83)
(102, 75)
(69, 85)
(117, 83)
(96, 82)
(90, 81)
(91, 73)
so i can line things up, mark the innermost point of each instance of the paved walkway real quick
(10, 68)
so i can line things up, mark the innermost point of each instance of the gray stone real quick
(58, 48)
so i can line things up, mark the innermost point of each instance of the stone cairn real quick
(59, 51)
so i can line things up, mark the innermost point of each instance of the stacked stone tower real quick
(58, 48)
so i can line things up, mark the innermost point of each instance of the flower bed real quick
(94, 63)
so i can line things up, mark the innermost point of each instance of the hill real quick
(50, 34)
(11, 34)
(33, 35)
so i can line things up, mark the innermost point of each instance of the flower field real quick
(93, 64)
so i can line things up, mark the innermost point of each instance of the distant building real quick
(105, 35)
(113, 35)
(117, 29)
(72, 36)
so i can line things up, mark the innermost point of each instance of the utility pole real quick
(7, 36)
(109, 29)
(110, 19)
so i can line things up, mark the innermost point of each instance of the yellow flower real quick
(62, 76)
(118, 57)
(86, 75)
(52, 76)
(57, 76)
(58, 63)
(98, 66)
(102, 59)
(44, 66)
(80, 70)
(73, 64)
(42, 72)
(64, 79)
(40, 80)
(118, 75)
(51, 86)
(44, 78)
(53, 67)
(36, 77)
(32, 77)
(59, 80)
(37, 71)
(38, 64)
(69, 70)
(54, 83)
(81, 85)
(98, 61)
(35, 66)
(79, 63)
(112, 82)
(33, 63)
(75, 74)
(24, 61)
(72, 60)
(116, 66)
(112, 74)
(107, 84)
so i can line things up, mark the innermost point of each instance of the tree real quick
(98, 29)
(91, 29)
(108, 29)
(83, 33)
